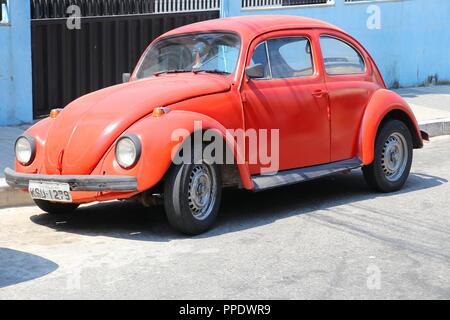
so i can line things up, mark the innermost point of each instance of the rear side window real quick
(340, 58)
(290, 57)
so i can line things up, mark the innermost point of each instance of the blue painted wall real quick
(15, 65)
(412, 45)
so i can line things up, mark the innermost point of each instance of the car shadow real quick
(17, 267)
(240, 209)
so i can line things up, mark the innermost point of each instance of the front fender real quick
(39, 131)
(383, 104)
(155, 134)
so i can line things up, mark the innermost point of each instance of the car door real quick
(291, 98)
(350, 83)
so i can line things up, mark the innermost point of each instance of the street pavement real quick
(327, 239)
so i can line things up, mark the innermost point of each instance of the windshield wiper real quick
(216, 71)
(171, 71)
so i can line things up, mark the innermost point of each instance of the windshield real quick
(200, 52)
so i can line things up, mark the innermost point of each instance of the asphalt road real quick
(327, 239)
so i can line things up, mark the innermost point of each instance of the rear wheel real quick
(56, 208)
(393, 158)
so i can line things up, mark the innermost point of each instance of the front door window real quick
(290, 57)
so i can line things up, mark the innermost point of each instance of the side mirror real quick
(255, 71)
(126, 77)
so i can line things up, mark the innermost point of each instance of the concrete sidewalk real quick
(8, 136)
(9, 197)
(431, 106)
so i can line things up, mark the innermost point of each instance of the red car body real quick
(322, 118)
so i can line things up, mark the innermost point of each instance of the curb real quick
(10, 197)
(434, 128)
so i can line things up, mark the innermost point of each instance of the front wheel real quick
(393, 158)
(56, 208)
(192, 196)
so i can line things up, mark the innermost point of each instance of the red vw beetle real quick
(309, 92)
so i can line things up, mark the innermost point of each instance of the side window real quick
(340, 58)
(290, 57)
(260, 57)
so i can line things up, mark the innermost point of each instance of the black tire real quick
(179, 206)
(380, 175)
(56, 208)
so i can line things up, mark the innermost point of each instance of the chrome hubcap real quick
(202, 192)
(394, 157)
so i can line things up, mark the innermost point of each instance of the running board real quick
(288, 177)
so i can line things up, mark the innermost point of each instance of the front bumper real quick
(77, 183)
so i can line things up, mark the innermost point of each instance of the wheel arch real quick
(232, 174)
(158, 141)
(385, 105)
(402, 116)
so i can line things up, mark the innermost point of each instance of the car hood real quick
(87, 127)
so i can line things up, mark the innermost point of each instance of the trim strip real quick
(289, 177)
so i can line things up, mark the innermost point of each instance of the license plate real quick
(50, 191)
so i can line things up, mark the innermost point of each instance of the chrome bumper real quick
(77, 183)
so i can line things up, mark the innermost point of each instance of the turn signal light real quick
(55, 112)
(160, 111)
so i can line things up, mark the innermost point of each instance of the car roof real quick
(250, 27)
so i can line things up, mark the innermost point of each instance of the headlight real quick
(25, 149)
(128, 151)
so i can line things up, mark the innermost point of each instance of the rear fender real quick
(383, 105)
